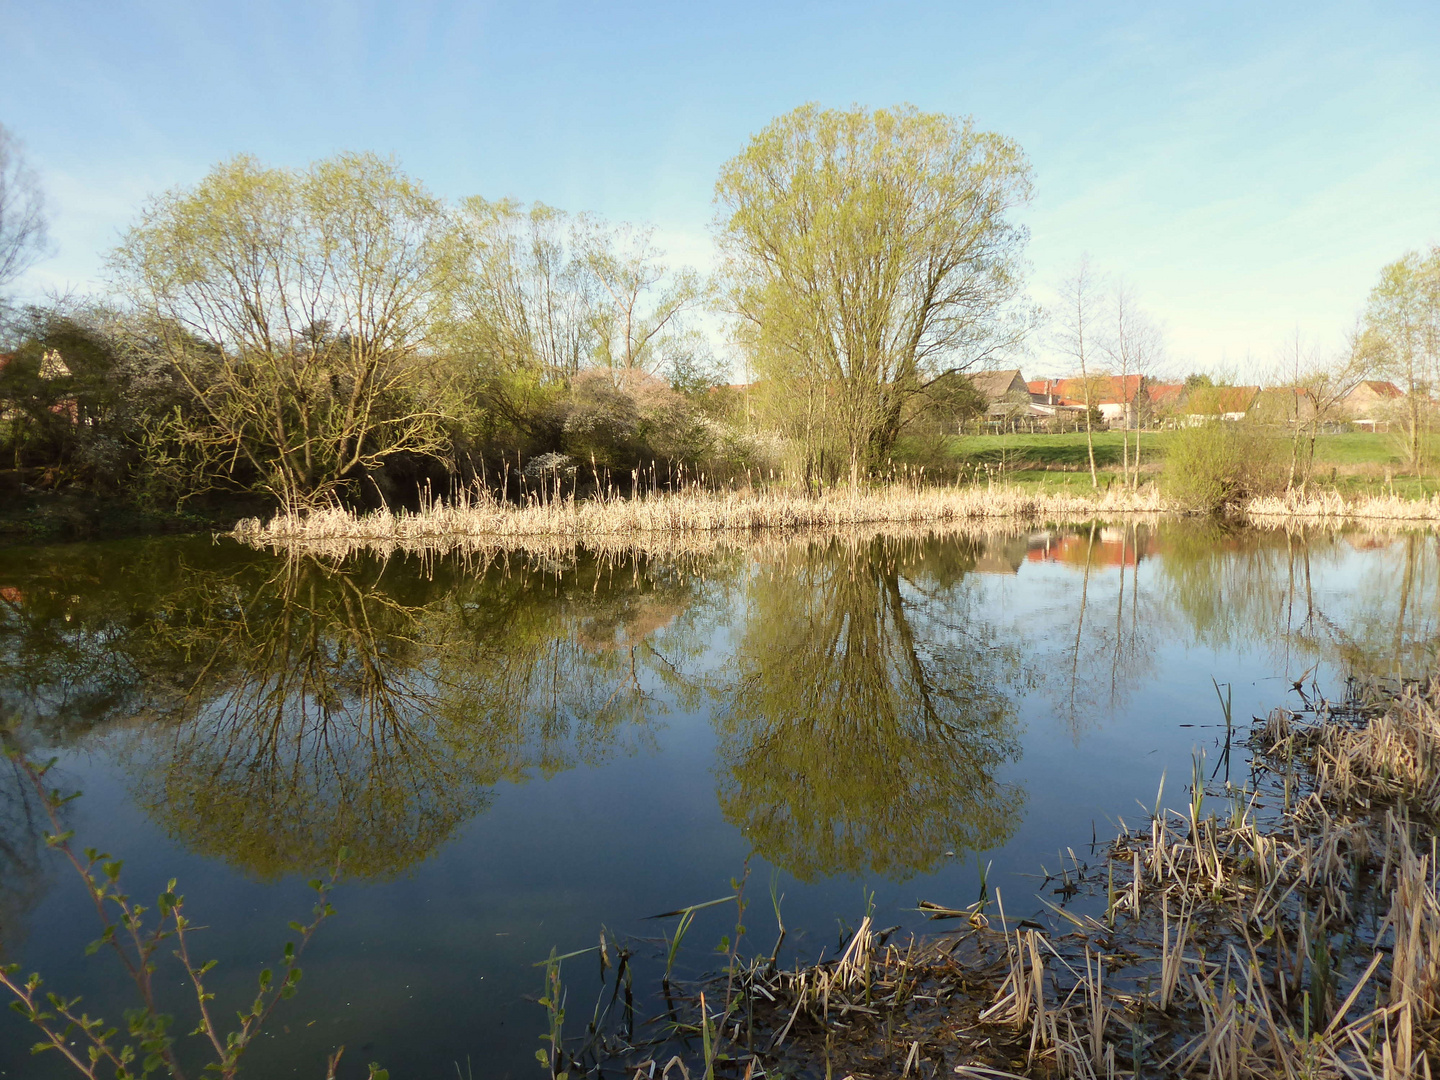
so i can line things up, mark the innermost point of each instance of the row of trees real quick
(311, 331)
(339, 331)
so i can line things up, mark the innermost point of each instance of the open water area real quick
(520, 749)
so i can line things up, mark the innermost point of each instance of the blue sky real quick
(1246, 167)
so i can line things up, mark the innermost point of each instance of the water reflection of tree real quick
(306, 727)
(866, 711)
(1292, 593)
(325, 710)
(22, 845)
(71, 623)
(1102, 628)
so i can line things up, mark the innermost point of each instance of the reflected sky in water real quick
(517, 750)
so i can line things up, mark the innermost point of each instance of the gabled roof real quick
(994, 385)
(1104, 389)
(1380, 388)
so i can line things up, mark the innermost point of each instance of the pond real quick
(517, 750)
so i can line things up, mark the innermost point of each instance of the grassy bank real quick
(1352, 463)
(1285, 927)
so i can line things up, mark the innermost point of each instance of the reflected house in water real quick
(1002, 556)
(1096, 548)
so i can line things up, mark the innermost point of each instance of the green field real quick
(1353, 463)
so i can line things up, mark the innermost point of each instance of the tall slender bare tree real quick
(1077, 335)
(24, 226)
(1135, 346)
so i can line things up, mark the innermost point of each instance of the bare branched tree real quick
(24, 227)
(1134, 346)
(1077, 335)
(641, 299)
(1402, 338)
(295, 306)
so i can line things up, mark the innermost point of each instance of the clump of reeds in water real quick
(692, 508)
(1292, 931)
(1332, 507)
(550, 515)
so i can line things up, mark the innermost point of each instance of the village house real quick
(1369, 404)
(1004, 392)
(1121, 400)
(1164, 398)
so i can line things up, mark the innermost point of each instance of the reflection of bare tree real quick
(1256, 587)
(327, 712)
(22, 831)
(866, 712)
(310, 725)
(1097, 666)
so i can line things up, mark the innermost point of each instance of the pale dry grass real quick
(479, 551)
(1394, 758)
(1331, 507)
(695, 517)
(691, 511)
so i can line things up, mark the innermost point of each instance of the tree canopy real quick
(867, 253)
(295, 305)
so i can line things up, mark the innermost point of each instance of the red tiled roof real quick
(1382, 389)
(1104, 389)
(1165, 393)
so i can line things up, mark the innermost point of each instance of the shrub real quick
(1219, 464)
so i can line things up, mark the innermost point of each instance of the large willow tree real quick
(294, 306)
(869, 254)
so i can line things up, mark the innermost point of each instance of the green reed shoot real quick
(1197, 786)
(776, 897)
(553, 1001)
(687, 917)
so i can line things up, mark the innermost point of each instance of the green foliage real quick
(867, 252)
(79, 392)
(1401, 341)
(1215, 465)
(146, 1044)
(1197, 379)
(295, 306)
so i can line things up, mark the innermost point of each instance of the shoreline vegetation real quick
(481, 519)
(871, 296)
(1287, 925)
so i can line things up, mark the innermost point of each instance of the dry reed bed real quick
(692, 510)
(480, 522)
(552, 551)
(1295, 933)
(1332, 507)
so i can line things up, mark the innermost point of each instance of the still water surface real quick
(518, 750)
